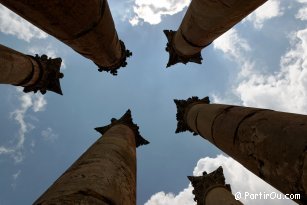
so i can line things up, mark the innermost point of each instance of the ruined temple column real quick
(85, 26)
(270, 144)
(106, 173)
(211, 189)
(204, 21)
(34, 73)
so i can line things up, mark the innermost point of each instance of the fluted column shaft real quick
(270, 144)
(204, 21)
(85, 26)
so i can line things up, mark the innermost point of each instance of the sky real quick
(261, 62)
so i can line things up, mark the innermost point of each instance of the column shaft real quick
(204, 21)
(17, 68)
(104, 174)
(220, 195)
(85, 26)
(34, 73)
(270, 144)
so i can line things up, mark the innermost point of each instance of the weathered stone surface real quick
(85, 26)
(270, 144)
(34, 73)
(104, 175)
(204, 21)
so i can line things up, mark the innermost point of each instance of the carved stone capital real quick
(183, 107)
(203, 184)
(174, 56)
(126, 119)
(49, 75)
(121, 63)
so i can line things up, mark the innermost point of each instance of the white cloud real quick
(151, 11)
(49, 135)
(12, 24)
(285, 90)
(302, 12)
(27, 101)
(235, 48)
(239, 178)
(19, 116)
(15, 177)
(267, 11)
(232, 44)
(5, 150)
(39, 103)
(288, 87)
(161, 198)
(48, 50)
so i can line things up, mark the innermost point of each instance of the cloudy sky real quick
(261, 62)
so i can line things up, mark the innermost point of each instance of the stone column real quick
(34, 73)
(106, 173)
(270, 144)
(211, 189)
(204, 21)
(85, 26)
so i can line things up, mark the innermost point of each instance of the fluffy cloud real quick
(302, 12)
(235, 48)
(268, 10)
(231, 44)
(240, 179)
(28, 101)
(12, 24)
(184, 197)
(288, 87)
(151, 11)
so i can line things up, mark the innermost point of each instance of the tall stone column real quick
(34, 73)
(211, 189)
(270, 144)
(204, 21)
(106, 173)
(85, 26)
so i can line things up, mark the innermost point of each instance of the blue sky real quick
(261, 62)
